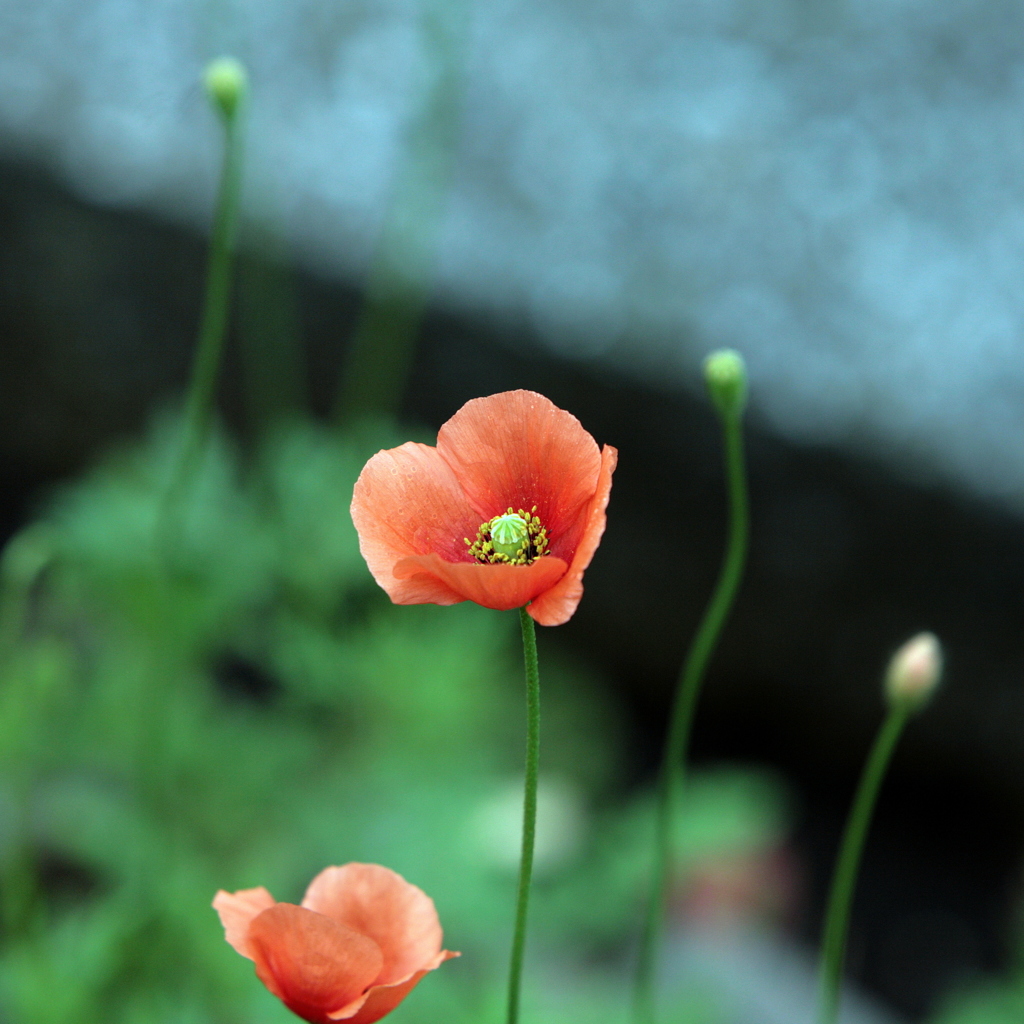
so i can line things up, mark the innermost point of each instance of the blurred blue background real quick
(834, 188)
(444, 200)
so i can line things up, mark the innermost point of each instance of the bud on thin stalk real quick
(726, 378)
(225, 82)
(910, 680)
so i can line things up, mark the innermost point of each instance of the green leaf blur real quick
(229, 701)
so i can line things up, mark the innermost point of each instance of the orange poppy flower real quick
(506, 511)
(353, 951)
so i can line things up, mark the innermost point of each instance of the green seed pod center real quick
(508, 534)
(513, 538)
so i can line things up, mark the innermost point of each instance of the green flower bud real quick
(914, 672)
(726, 376)
(226, 84)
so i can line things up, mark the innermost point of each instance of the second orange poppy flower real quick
(506, 511)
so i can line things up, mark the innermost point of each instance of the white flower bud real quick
(914, 671)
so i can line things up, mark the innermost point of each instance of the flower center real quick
(516, 538)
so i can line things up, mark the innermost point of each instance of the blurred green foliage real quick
(990, 1001)
(990, 1004)
(214, 694)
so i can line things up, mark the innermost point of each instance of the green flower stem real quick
(837, 915)
(515, 971)
(673, 765)
(213, 326)
(380, 355)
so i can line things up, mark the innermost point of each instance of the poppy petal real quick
(557, 604)
(407, 501)
(380, 903)
(382, 999)
(237, 910)
(313, 964)
(494, 586)
(518, 449)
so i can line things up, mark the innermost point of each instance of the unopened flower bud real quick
(226, 83)
(726, 377)
(914, 671)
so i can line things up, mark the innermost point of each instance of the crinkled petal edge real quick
(557, 605)
(379, 1000)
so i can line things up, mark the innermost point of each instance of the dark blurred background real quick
(834, 192)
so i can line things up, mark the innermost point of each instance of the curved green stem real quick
(837, 915)
(673, 764)
(515, 971)
(213, 326)
(380, 355)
